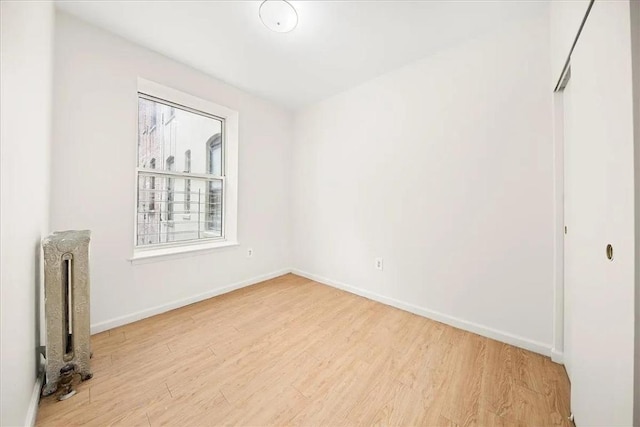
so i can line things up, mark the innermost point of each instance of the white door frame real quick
(557, 350)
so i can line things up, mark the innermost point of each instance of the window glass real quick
(160, 137)
(180, 175)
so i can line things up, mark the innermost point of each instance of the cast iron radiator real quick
(66, 293)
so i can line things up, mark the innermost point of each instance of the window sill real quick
(141, 256)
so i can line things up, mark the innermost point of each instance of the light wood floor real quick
(290, 351)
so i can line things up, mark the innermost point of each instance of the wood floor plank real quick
(196, 409)
(498, 381)
(464, 392)
(557, 392)
(290, 351)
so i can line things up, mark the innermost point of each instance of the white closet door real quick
(599, 211)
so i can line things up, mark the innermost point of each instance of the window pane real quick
(167, 132)
(214, 155)
(172, 209)
(214, 208)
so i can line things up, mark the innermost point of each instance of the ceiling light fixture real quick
(278, 15)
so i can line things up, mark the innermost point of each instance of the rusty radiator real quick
(66, 293)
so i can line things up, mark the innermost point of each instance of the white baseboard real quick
(129, 318)
(557, 356)
(32, 410)
(456, 322)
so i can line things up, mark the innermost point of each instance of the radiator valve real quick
(65, 383)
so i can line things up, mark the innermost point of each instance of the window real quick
(196, 205)
(214, 191)
(187, 182)
(171, 114)
(152, 187)
(170, 195)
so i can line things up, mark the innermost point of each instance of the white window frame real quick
(229, 168)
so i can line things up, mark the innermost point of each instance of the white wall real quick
(94, 157)
(445, 169)
(566, 17)
(635, 58)
(26, 66)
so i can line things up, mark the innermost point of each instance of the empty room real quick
(320, 213)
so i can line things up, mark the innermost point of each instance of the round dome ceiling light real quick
(278, 15)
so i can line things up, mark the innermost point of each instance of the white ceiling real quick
(336, 45)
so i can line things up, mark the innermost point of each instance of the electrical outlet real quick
(379, 264)
(249, 253)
